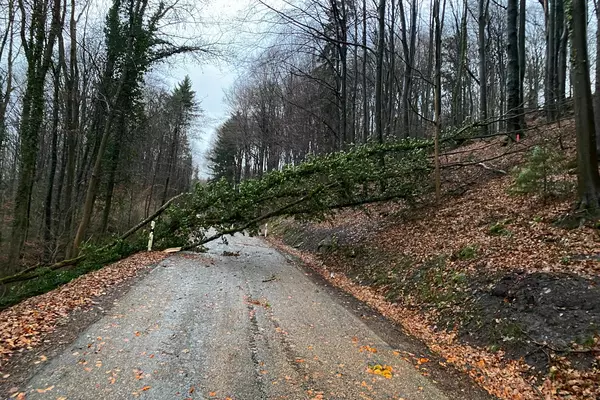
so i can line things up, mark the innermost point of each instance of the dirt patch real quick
(533, 314)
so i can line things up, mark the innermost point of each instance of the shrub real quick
(542, 174)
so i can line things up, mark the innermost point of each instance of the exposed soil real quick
(540, 313)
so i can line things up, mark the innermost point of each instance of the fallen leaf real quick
(49, 388)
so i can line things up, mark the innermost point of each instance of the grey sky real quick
(213, 77)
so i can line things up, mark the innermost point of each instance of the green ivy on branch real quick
(311, 190)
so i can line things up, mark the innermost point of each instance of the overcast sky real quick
(212, 77)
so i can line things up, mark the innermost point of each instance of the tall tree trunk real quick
(7, 40)
(343, 54)
(354, 84)
(457, 98)
(512, 71)
(112, 176)
(390, 104)
(483, 86)
(522, 59)
(38, 49)
(588, 179)
(408, 46)
(561, 36)
(438, 95)
(173, 159)
(364, 75)
(48, 234)
(379, 72)
(597, 79)
(72, 124)
(550, 80)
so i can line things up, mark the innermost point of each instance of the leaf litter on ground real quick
(477, 198)
(25, 325)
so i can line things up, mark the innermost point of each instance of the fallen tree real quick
(312, 189)
(39, 270)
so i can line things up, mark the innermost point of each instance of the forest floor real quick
(488, 279)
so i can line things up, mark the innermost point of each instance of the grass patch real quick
(466, 253)
(500, 228)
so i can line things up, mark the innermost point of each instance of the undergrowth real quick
(543, 174)
(97, 256)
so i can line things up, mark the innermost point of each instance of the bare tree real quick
(483, 85)
(38, 45)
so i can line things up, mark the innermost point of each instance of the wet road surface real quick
(249, 326)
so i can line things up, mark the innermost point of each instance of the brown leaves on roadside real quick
(500, 377)
(24, 325)
(367, 349)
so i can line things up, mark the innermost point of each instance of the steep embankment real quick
(487, 279)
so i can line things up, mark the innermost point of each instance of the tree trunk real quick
(551, 51)
(512, 72)
(38, 51)
(353, 132)
(457, 98)
(408, 46)
(438, 96)
(5, 101)
(482, 20)
(379, 72)
(588, 179)
(364, 76)
(72, 124)
(48, 234)
(112, 175)
(561, 36)
(171, 163)
(597, 80)
(522, 63)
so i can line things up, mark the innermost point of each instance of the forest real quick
(338, 73)
(436, 160)
(343, 103)
(88, 144)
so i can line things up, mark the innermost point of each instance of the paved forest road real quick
(252, 326)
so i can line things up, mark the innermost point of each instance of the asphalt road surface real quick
(215, 326)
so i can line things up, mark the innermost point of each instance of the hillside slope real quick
(488, 279)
